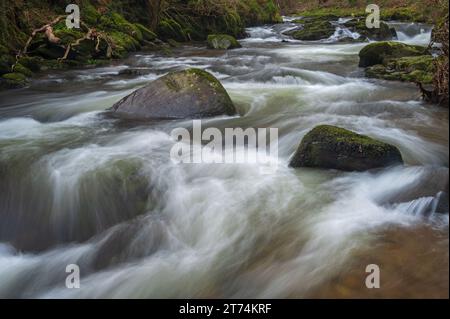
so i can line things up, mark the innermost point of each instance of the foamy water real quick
(80, 188)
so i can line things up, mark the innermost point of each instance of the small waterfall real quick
(412, 33)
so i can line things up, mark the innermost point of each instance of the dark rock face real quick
(382, 52)
(191, 93)
(332, 147)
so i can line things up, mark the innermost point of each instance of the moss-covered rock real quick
(410, 69)
(19, 68)
(312, 30)
(257, 12)
(13, 81)
(171, 29)
(68, 36)
(191, 93)
(332, 13)
(147, 34)
(383, 52)
(124, 43)
(332, 147)
(222, 42)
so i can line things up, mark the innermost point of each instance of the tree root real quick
(91, 34)
(88, 36)
(48, 31)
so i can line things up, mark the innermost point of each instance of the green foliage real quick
(19, 68)
(171, 29)
(408, 68)
(147, 34)
(403, 14)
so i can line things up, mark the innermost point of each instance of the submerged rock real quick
(337, 148)
(383, 52)
(191, 93)
(222, 42)
(135, 71)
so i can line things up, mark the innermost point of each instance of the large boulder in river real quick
(337, 148)
(222, 42)
(191, 93)
(383, 52)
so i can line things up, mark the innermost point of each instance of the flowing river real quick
(78, 187)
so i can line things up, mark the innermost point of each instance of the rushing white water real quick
(412, 33)
(80, 188)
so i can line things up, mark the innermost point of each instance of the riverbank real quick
(35, 36)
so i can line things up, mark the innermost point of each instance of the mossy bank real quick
(111, 30)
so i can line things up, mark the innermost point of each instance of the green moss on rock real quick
(313, 29)
(333, 147)
(124, 42)
(68, 36)
(411, 69)
(191, 93)
(382, 52)
(222, 42)
(13, 81)
(171, 29)
(19, 68)
(147, 34)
